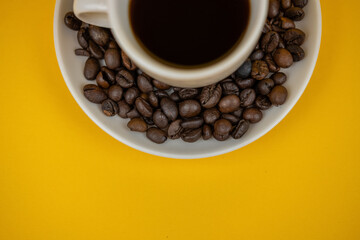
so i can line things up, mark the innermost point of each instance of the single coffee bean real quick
(112, 58)
(245, 70)
(222, 129)
(144, 84)
(206, 132)
(124, 108)
(153, 100)
(189, 108)
(110, 108)
(131, 95)
(137, 125)
(241, 128)
(156, 135)
(128, 63)
(300, 3)
(109, 74)
(161, 94)
(230, 88)
(125, 79)
(160, 119)
(188, 93)
(232, 118)
(175, 130)
(264, 86)
(257, 55)
(294, 36)
(287, 23)
(95, 50)
(101, 36)
(263, 102)
(92, 68)
(143, 107)
(192, 123)
(83, 38)
(279, 78)
(285, 4)
(94, 94)
(270, 41)
(175, 97)
(133, 113)
(191, 135)
(247, 97)
(229, 104)
(274, 8)
(160, 85)
(283, 58)
(297, 52)
(210, 96)
(169, 108)
(253, 115)
(238, 113)
(72, 22)
(278, 95)
(82, 52)
(260, 70)
(101, 81)
(113, 44)
(211, 115)
(270, 62)
(245, 83)
(115, 93)
(295, 13)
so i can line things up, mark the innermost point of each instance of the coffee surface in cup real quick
(189, 32)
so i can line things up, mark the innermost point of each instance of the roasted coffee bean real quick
(170, 108)
(257, 55)
(191, 135)
(128, 63)
(82, 52)
(238, 113)
(175, 97)
(245, 83)
(283, 58)
(210, 96)
(153, 100)
(285, 4)
(102, 81)
(270, 41)
(266, 28)
(287, 23)
(94, 94)
(263, 102)
(192, 123)
(189, 108)
(115, 93)
(124, 108)
(211, 115)
(270, 62)
(143, 107)
(133, 113)
(229, 104)
(112, 58)
(188, 93)
(206, 132)
(160, 85)
(295, 13)
(144, 84)
(92, 68)
(150, 122)
(241, 128)
(156, 135)
(278, 95)
(175, 129)
(264, 86)
(259, 70)
(160, 119)
(253, 115)
(274, 8)
(297, 52)
(72, 22)
(294, 36)
(300, 3)
(95, 50)
(83, 38)
(230, 88)
(222, 129)
(145, 96)
(109, 74)
(232, 118)
(279, 78)
(125, 79)
(131, 95)
(101, 36)
(113, 44)
(110, 108)
(247, 97)
(137, 125)
(161, 94)
(245, 70)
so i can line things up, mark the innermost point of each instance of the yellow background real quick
(61, 177)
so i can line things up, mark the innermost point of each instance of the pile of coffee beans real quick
(221, 111)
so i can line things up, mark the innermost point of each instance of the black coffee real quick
(189, 32)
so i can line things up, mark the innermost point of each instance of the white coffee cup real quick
(114, 14)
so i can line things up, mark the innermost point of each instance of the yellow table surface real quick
(62, 177)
